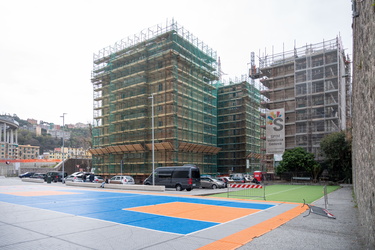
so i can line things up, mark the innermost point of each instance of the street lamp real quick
(153, 139)
(63, 160)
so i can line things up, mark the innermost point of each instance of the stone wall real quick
(364, 115)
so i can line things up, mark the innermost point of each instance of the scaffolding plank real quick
(111, 149)
(124, 148)
(93, 151)
(168, 145)
(138, 147)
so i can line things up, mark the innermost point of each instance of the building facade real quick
(8, 138)
(28, 152)
(309, 83)
(69, 153)
(239, 123)
(155, 103)
(59, 133)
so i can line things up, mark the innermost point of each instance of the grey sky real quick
(47, 47)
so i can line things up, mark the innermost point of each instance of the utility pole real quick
(63, 153)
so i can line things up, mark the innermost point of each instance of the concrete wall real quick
(364, 115)
(70, 166)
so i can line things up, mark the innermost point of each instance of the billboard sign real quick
(275, 131)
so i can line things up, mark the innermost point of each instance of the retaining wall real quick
(363, 115)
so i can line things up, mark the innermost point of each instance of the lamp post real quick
(63, 158)
(153, 139)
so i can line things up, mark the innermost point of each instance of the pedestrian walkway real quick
(317, 232)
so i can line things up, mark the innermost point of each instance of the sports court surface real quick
(104, 218)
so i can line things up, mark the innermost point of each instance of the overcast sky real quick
(47, 47)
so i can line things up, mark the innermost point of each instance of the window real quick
(301, 127)
(164, 174)
(301, 89)
(181, 174)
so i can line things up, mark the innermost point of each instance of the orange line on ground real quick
(245, 236)
(38, 193)
(192, 211)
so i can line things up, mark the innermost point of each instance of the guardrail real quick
(296, 179)
(33, 180)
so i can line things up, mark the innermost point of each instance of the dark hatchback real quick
(55, 176)
(27, 174)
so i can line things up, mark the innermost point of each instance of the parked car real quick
(77, 173)
(121, 179)
(38, 176)
(238, 177)
(73, 178)
(55, 176)
(226, 180)
(27, 174)
(97, 179)
(207, 182)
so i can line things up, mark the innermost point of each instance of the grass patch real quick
(286, 193)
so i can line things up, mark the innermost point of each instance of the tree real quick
(297, 160)
(338, 156)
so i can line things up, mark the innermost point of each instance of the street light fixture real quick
(63, 158)
(153, 139)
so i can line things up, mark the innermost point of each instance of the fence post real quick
(325, 196)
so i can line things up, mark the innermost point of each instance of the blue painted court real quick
(162, 211)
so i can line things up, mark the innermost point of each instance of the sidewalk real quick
(315, 231)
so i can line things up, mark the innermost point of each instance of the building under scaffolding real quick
(312, 84)
(167, 70)
(239, 128)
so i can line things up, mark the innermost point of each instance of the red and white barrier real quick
(245, 186)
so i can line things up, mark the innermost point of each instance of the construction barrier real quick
(246, 190)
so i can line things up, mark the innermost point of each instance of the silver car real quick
(208, 182)
(73, 178)
(122, 179)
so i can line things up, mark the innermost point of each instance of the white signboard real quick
(275, 131)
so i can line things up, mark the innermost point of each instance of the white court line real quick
(285, 191)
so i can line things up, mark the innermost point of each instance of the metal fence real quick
(246, 191)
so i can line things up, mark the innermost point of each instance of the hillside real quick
(79, 137)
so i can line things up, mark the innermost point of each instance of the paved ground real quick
(315, 231)
(53, 216)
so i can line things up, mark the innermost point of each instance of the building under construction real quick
(239, 123)
(312, 85)
(160, 82)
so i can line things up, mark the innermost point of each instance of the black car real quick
(55, 176)
(27, 174)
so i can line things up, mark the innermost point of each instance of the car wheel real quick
(178, 188)
(188, 189)
(214, 186)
